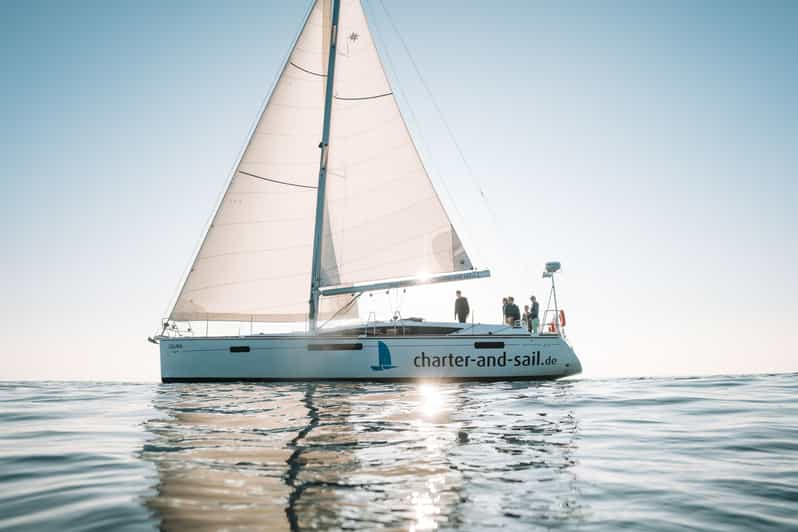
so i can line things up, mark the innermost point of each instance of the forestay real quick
(382, 218)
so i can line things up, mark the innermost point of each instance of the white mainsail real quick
(382, 217)
(385, 219)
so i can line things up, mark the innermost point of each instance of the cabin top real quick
(417, 327)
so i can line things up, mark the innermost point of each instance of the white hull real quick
(382, 358)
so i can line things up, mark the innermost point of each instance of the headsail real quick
(382, 217)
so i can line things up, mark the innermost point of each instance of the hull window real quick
(489, 345)
(239, 349)
(335, 347)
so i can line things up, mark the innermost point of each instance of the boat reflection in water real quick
(414, 456)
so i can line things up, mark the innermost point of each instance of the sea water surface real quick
(709, 453)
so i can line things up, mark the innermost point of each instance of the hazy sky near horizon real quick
(651, 147)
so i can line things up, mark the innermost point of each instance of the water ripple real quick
(705, 453)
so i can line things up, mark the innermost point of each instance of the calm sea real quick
(710, 453)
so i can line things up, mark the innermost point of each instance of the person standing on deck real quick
(504, 310)
(513, 314)
(534, 321)
(461, 308)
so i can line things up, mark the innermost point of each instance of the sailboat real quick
(330, 200)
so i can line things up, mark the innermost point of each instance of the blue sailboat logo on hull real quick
(384, 358)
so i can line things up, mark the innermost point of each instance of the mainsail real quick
(385, 219)
(382, 217)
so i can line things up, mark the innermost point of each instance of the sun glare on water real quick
(426, 499)
(431, 400)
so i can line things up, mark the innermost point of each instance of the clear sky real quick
(652, 147)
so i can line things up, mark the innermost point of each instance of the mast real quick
(315, 271)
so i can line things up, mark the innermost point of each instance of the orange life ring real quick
(562, 318)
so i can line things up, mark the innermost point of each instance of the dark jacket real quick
(534, 310)
(461, 308)
(512, 312)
